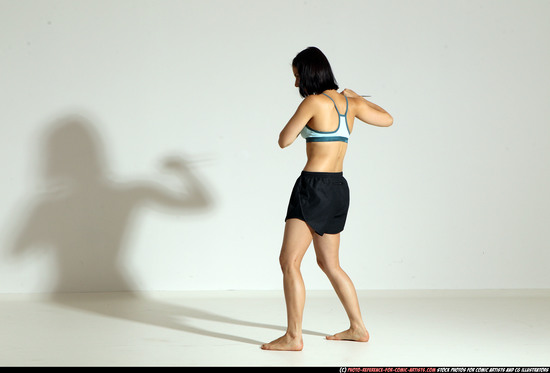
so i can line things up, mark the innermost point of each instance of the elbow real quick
(389, 122)
(283, 143)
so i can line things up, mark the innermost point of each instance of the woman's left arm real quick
(298, 121)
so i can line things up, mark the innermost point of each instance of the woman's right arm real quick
(369, 112)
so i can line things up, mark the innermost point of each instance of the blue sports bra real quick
(341, 134)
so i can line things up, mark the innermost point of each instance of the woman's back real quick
(332, 114)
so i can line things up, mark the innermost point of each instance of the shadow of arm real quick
(193, 194)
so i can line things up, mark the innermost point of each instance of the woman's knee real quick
(289, 264)
(328, 266)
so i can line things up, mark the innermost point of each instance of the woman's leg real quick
(327, 248)
(296, 240)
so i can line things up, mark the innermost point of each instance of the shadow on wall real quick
(85, 218)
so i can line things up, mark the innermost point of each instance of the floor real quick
(408, 328)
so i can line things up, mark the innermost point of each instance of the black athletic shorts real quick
(321, 199)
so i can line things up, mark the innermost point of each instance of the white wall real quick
(454, 195)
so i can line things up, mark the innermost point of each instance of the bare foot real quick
(284, 343)
(357, 335)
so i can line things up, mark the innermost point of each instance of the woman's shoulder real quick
(318, 101)
(314, 99)
(312, 102)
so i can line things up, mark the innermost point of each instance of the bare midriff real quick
(325, 156)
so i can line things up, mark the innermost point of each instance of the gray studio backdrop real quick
(139, 142)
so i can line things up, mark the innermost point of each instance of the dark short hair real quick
(314, 71)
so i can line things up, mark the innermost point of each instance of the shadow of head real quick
(73, 152)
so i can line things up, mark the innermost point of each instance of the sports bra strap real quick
(336, 107)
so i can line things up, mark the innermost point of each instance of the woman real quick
(320, 198)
